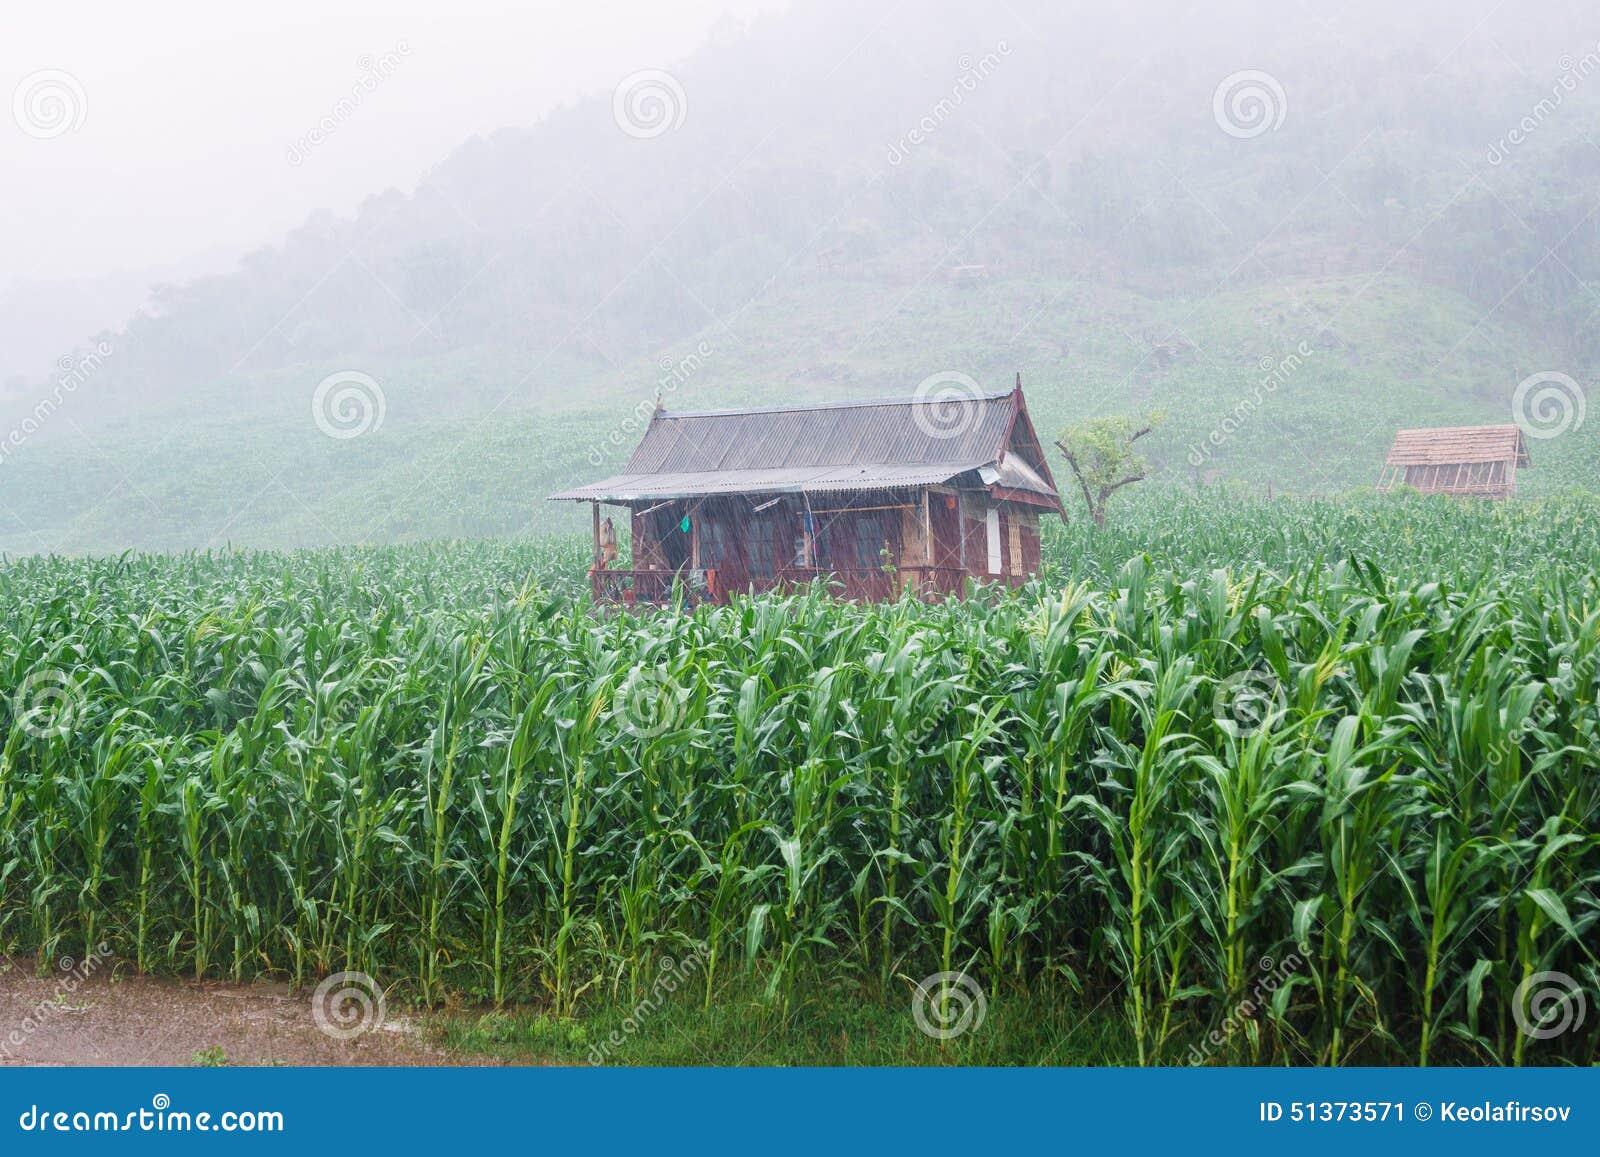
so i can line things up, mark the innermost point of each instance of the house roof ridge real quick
(846, 404)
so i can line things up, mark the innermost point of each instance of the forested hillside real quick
(838, 203)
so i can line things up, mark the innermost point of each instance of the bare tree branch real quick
(1109, 465)
(1072, 461)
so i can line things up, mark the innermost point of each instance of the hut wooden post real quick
(927, 531)
(808, 531)
(594, 555)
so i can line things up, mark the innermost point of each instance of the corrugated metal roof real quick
(901, 432)
(872, 445)
(789, 480)
(1450, 445)
(1015, 474)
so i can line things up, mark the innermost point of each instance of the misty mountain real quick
(844, 199)
(1038, 140)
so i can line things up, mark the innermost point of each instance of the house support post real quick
(594, 555)
(928, 582)
(808, 531)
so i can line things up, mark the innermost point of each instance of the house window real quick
(992, 526)
(869, 542)
(713, 543)
(764, 547)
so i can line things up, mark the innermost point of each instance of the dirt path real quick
(106, 1017)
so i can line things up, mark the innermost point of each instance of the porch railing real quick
(873, 584)
(870, 583)
(937, 580)
(654, 586)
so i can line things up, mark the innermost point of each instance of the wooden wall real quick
(751, 547)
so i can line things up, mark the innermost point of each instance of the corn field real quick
(1268, 801)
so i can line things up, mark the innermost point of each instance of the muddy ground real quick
(110, 1017)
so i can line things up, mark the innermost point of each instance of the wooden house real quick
(875, 497)
(1466, 461)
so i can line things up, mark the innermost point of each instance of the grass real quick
(831, 1025)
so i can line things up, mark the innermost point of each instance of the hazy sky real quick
(190, 111)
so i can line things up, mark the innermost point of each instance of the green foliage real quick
(1347, 749)
(464, 451)
(1103, 457)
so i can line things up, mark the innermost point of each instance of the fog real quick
(190, 121)
(511, 216)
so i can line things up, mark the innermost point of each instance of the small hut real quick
(875, 497)
(1465, 461)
